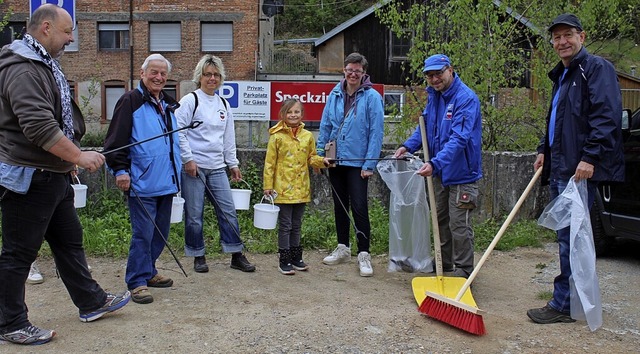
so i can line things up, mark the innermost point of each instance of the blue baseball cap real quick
(436, 62)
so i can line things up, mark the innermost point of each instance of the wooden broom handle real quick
(506, 223)
(432, 203)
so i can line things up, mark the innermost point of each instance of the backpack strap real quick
(196, 106)
(226, 105)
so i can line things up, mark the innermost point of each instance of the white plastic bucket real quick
(265, 216)
(79, 194)
(241, 197)
(176, 209)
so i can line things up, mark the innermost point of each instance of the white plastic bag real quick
(571, 209)
(409, 228)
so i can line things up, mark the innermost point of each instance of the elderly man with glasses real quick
(454, 137)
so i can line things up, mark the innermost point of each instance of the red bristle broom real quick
(456, 313)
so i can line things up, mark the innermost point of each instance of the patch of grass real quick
(523, 233)
(545, 295)
(107, 230)
(541, 266)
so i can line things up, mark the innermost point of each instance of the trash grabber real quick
(403, 158)
(215, 202)
(193, 124)
(325, 172)
(166, 243)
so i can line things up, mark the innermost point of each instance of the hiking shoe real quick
(114, 302)
(30, 335)
(548, 314)
(341, 254)
(35, 277)
(364, 263)
(141, 295)
(200, 264)
(461, 273)
(159, 281)
(240, 262)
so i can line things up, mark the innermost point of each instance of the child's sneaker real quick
(341, 254)
(114, 302)
(30, 335)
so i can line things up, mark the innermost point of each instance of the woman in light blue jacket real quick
(353, 119)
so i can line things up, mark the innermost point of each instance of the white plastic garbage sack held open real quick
(409, 228)
(571, 209)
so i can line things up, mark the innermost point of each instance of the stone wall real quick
(506, 175)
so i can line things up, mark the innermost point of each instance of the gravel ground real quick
(334, 310)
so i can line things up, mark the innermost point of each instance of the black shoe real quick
(284, 262)
(200, 264)
(296, 259)
(548, 314)
(240, 262)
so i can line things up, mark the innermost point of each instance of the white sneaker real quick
(341, 254)
(35, 277)
(364, 262)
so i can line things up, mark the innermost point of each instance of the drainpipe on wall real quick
(130, 44)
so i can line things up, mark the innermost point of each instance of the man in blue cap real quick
(454, 135)
(583, 139)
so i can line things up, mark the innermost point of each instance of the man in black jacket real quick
(584, 138)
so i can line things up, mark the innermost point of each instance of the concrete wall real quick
(506, 175)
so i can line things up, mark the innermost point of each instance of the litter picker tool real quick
(452, 310)
(159, 232)
(403, 158)
(445, 286)
(193, 124)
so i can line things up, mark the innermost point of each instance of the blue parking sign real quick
(69, 5)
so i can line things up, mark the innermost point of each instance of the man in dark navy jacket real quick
(583, 139)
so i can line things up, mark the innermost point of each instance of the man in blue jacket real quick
(454, 135)
(149, 172)
(583, 139)
(353, 119)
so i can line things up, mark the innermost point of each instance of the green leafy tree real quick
(491, 51)
(313, 18)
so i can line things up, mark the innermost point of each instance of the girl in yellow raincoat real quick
(290, 153)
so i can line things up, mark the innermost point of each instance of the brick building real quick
(105, 59)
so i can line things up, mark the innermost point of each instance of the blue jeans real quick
(193, 192)
(146, 242)
(561, 293)
(350, 190)
(46, 212)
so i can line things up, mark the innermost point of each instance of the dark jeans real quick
(290, 225)
(351, 191)
(146, 242)
(46, 212)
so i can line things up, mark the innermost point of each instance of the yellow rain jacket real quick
(286, 166)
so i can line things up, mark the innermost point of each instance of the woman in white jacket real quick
(206, 152)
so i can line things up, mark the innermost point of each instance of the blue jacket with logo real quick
(153, 166)
(588, 121)
(359, 134)
(454, 134)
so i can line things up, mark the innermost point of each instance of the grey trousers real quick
(290, 225)
(455, 205)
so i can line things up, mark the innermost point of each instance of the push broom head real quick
(454, 313)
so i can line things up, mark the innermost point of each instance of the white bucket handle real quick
(77, 179)
(268, 197)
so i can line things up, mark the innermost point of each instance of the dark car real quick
(616, 210)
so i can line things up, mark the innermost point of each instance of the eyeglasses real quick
(351, 71)
(209, 75)
(437, 74)
(567, 36)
